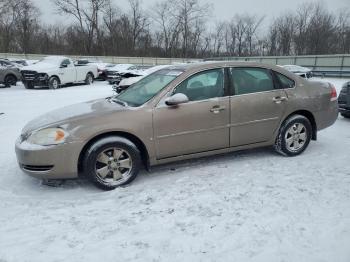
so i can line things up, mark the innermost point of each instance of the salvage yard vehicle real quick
(178, 113)
(344, 100)
(55, 71)
(118, 72)
(299, 70)
(101, 67)
(126, 82)
(9, 74)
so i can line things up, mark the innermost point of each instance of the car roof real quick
(213, 64)
(200, 66)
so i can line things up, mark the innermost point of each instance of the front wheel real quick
(28, 85)
(54, 82)
(112, 162)
(89, 79)
(294, 136)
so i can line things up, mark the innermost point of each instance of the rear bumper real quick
(49, 162)
(326, 118)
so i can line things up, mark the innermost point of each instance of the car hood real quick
(40, 67)
(74, 112)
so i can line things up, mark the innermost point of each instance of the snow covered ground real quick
(247, 206)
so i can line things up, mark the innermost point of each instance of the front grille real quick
(112, 73)
(28, 75)
(37, 168)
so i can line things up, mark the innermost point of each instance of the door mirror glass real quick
(64, 66)
(176, 99)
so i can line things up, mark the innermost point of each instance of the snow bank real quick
(247, 206)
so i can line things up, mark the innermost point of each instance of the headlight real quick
(48, 136)
(43, 77)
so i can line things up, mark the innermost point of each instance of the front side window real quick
(148, 87)
(251, 80)
(204, 85)
(65, 62)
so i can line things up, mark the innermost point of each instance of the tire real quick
(10, 80)
(89, 79)
(346, 115)
(112, 162)
(28, 85)
(54, 82)
(294, 136)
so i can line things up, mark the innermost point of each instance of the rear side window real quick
(285, 81)
(251, 80)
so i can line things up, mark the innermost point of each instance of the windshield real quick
(148, 87)
(51, 60)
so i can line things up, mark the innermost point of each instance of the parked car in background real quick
(9, 75)
(55, 71)
(101, 67)
(126, 82)
(299, 70)
(19, 62)
(7, 63)
(178, 113)
(118, 72)
(344, 100)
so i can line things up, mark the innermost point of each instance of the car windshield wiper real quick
(120, 102)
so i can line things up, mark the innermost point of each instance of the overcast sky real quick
(223, 9)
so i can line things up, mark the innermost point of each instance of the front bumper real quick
(49, 162)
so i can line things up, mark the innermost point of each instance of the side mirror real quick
(64, 66)
(176, 99)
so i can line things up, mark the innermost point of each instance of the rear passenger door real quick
(257, 105)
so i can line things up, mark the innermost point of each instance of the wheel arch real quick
(91, 73)
(137, 141)
(310, 117)
(59, 79)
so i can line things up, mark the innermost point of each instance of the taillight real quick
(334, 95)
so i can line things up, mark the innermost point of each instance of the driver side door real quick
(200, 125)
(67, 72)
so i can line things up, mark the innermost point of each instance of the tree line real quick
(177, 28)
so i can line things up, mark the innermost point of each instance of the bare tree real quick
(139, 22)
(165, 17)
(86, 14)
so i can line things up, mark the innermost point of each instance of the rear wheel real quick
(10, 80)
(54, 82)
(112, 162)
(89, 79)
(294, 136)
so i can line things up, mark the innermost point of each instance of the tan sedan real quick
(177, 113)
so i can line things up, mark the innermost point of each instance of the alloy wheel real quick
(296, 137)
(113, 166)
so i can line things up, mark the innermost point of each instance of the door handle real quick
(279, 99)
(217, 109)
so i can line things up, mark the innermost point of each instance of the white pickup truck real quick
(55, 71)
